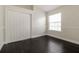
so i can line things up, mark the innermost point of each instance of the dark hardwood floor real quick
(43, 44)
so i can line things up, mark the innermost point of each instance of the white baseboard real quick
(23, 39)
(1, 45)
(69, 40)
(37, 36)
(6, 42)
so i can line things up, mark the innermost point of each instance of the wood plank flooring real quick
(43, 44)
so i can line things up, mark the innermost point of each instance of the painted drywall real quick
(1, 26)
(38, 22)
(25, 6)
(70, 23)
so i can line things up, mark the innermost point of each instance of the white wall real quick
(38, 22)
(1, 26)
(70, 23)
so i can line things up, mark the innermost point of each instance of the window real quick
(55, 22)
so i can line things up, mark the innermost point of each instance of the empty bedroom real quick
(39, 28)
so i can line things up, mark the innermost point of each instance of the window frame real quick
(54, 22)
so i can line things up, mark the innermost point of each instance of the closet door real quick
(17, 26)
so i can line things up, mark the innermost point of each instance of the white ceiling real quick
(47, 8)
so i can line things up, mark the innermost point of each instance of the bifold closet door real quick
(17, 26)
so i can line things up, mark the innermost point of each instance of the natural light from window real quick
(55, 22)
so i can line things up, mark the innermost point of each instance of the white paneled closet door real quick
(17, 26)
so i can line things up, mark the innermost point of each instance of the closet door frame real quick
(17, 9)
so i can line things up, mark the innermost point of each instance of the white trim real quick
(1, 45)
(6, 42)
(37, 36)
(24, 39)
(69, 40)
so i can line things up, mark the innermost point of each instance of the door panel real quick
(17, 26)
